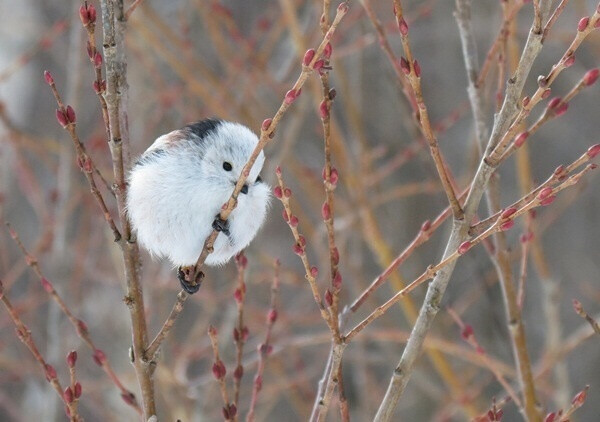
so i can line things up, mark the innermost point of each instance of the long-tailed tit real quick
(178, 186)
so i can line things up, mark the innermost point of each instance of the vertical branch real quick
(113, 22)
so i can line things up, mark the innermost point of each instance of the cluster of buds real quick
(218, 369)
(87, 14)
(404, 65)
(241, 335)
(66, 116)
(333, 177)
(229, 411)
(545, 196)
(506, 222)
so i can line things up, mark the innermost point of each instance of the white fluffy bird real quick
(178, 186)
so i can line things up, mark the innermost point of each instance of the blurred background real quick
(191, 59)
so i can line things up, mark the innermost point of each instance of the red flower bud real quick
(548, 200)
(580, 397)
(293, 221)
(238, 373)
(521, 138)
(426, 226)
(333, 176)
(278, 168)
(508, 212)
(583, 23)
(544, 193)
(507, 225)
(335, 256)
(47, 285)
(550, 417)
(278, 192)
(83, 15)
(265, 124)
(328, 298)
(467, 332)
(562, 109)
(245, 333)
(417, 68)
(403, 27)
(50, 372)
(298, 250)
(319, 65)
(99, 357)
(546, 93)
(128, 398)
(238, 296)
(291, 96)
(593, 151)
(77, 390)
(218, 370)
(325, 211)
(314, 272)
(591, 76)
(48, 77)
(68, 395)
(323, 110)
(464, 247)
(97, 60)
(327, 51)
(287, 192)
(272, 316)
(569, 60)
(337, 281)
(554, 102)
(71, 358)
(70, 113)
(308, 56)
(81, 327)
(62, 118)
(404, 66)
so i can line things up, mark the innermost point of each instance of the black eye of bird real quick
(227, 166)
(259, 179)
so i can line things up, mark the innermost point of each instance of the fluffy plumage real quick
(177, 188)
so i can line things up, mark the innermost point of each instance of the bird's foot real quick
(221, 225)
(184, 275)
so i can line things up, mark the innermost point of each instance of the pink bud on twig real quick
(62, 118)
(335, 255)
(583, 23)
(47, 285)
(314, 272)
(580, 397)
(467, 332)
(550, 417)
(68, 395)
(569, 60)
(464, 247)
(333, 176)
(327, 51)
(591, 76)
(97, 60)
(82, 327)
(308, 56)
(546, 93)
(298, 250)
(285, 215)
(71, 358)
(426, 226)
(77, 390)
(554, 102)
(328, 297)
(545, 192)
(403, 27)
(417, 68)
(507, 225)
(50, 372)
(238, 295)
(239, 372)
(218, 369)
(266, 124)
(319, 65)
(278, 192)
(325, 211)
(521, 138)
(287, 192)
(272, 316)
(593, 151)
(70, 113)
(562, 109)
(293, 221)
(337, 281)
(99, 357)
(291, 96)
(48, 77)
(548, 200)
(508, 212)
(404, 66)
(323, 110)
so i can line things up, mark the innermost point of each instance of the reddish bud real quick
(577, 306)
(343, 8)
(526, 237)
(404, 66)
(77, 390)
(48, 77)
(71, 358)
(62, 118)
(467, 332)
(319, 65)
(83, 15)
(333, 176)
(328, 298)
(335, 256)
(278, 168)
(325, 211)
(546, 93)
(521, 138)
(68, 396)
(464, 247)
(327, 51)
(591, 76)
(245, 333)
(426, 226)
(544, 193)
(569, 60)
(583, 23)
(285, 215)
(507, 225)
(81, 327)
(266, 124)
(593, 151)
(218, 369)
(559, 172)
(99, 357)
(272, 316)
(308, 56)
(548, 200)
(47, 285)
(287, 192)
(98, 60)
(417, 68)
(50, 372)
(238, 373)
(91, 13)
(298, 250)
(554, 102)
(238, 296)
(508, 212)
(580, 397)
(314, 272)
(232, 410)
(278, 192)
(403, 27)
(337, 281)
(128, 398)
(562, 109)
(70, 113)
(241, 261)
(293, 221)
(550, 417)
(291, 96)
